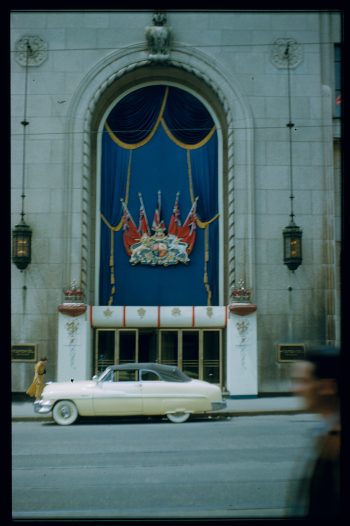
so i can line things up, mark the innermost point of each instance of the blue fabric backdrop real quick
(178, 147)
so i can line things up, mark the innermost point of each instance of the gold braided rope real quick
(189, 172)
(119, 226)
(114, 229)
(111, 265)
(201, 224)
(206, 259)
(144, 141)
(204, 225)
(161, 121)
(183, 144)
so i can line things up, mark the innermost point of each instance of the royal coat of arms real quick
(163, 246)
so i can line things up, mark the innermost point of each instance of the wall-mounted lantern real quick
(292, 250)
(292, 234)
(22, 233)
(22, 245)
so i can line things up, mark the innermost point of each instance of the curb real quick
(253, 412)
(31, 419)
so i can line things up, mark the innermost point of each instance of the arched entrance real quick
(109, 79)
(160, 136)
(121, 73)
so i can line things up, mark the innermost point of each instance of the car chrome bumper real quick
(217, 406)
(42, 406)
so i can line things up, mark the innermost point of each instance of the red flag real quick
(143, 223)
(130, 232)
(187, 232)
(158, 223)
(175, 222)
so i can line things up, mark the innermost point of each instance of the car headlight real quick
(46, 403)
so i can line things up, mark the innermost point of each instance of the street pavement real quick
(23, 410)
(208, 468)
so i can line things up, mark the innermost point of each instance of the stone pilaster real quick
(74, 343)
(241, 346)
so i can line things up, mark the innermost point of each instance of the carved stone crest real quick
(158, 38)
(279, 56)
(31, 48)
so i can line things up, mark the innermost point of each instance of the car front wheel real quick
(65, 413)
(178, 418)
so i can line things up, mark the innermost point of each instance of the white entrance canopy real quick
(151, 316)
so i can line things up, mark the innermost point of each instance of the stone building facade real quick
(235, 64)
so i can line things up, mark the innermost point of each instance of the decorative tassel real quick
(206, 259)
(111, 264)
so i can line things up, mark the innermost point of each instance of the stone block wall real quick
(240, 46)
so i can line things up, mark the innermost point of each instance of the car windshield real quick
(105, 376)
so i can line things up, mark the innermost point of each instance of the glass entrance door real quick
(197, 352)
(190, 353)
(169, 347)
(148, 348)
(105, 344)
(127, 350)
(114, 346)
(211, 357)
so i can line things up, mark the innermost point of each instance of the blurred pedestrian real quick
(316, 380)
(36, 387)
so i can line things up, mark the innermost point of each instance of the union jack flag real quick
(175, 221)
(158, 223)
(143, 223)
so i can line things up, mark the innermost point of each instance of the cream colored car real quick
(131, 389)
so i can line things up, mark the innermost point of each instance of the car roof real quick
(158, 367)
(169, 373)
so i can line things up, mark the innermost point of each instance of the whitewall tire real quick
(65, 413)
(178, 418)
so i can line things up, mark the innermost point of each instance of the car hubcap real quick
(65, 412)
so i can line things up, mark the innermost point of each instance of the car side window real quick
(125, 376)
(149, 376)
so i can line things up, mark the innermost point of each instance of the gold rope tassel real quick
(117, 228)
(203, 225)
(111, 265)
(189, 173)
(206, 259)
(126, 198)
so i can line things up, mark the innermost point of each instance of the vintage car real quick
(131, 389)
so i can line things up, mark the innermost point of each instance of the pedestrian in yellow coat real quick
(38, 384)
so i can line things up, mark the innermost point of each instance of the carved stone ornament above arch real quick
(280, 59)
(31, 50)
(109, 79)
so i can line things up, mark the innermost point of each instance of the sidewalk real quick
(22, 410)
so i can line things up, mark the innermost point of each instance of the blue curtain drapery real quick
(159, 138)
